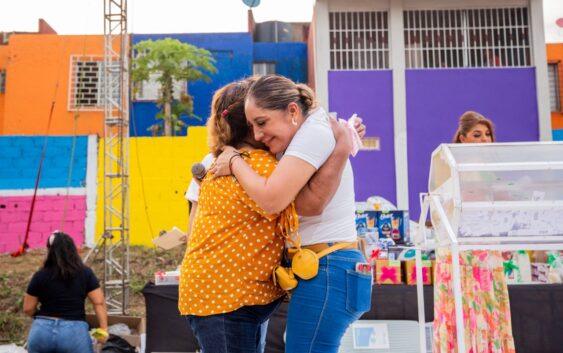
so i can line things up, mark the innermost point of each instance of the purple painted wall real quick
(370, 95)
(436, 99)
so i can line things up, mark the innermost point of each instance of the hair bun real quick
(306, 95)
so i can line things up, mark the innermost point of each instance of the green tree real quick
(172, 61)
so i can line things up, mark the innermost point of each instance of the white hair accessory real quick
(52, 237)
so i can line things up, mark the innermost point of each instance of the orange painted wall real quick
(3, 64)
(38, 69)
(555, 55)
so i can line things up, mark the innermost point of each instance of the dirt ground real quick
(15, 273)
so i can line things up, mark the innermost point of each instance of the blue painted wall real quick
(558, 135)
(290, 58)
(20, 158)
(233, 55)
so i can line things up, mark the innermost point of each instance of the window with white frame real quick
(263, 68)
(85, 91)
(490, 37)
(554, 87)
(150, 90)
(359, 40)
(2, 81)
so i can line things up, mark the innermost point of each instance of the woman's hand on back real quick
(221, 165)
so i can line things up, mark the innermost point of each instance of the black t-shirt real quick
(62, 299)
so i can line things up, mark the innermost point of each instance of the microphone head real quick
(198, 171)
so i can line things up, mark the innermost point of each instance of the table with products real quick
(537, 316)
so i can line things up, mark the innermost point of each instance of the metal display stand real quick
(502, 196)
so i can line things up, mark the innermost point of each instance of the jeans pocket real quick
(358, 292)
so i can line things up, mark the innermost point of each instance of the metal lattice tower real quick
(115, 240)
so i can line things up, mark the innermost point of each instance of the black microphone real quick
(199, 171)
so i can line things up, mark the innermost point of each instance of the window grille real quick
(359, 40)
(554, 85)
(2, 81)
(85, 91)
(495, 37)
(263, 68)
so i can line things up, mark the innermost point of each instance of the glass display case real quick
(498, 193)
(497, 196)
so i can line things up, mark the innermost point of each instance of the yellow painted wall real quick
(160, 171)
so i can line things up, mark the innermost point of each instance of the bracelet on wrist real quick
(231, 162)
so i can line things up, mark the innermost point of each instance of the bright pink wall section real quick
(47, 217)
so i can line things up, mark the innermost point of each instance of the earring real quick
(293, 121)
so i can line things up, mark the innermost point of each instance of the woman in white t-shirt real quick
(285, 118)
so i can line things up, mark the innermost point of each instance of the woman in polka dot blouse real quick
(284, 117)
(226, 291)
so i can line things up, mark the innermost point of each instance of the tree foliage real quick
(171, 61)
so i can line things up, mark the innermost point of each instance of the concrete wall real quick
(555, 56)
(435, 100)
(290, 58)
(61, 201)
(160, 170)
(3, 64)
(368, 94)
(38, 75)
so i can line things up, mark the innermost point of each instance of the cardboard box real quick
(388, 272)
(136, 324)
(366, 220)
(394, 225)
(166, 278)
(540, 272)
(410, 272)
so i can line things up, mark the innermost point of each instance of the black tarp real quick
(537, 316)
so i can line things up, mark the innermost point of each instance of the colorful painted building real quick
(410, 68)
(555, 74)
(41, 95)
(237, 56)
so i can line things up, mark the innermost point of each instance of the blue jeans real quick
(239, 331)
(322, 308)
(59, 336)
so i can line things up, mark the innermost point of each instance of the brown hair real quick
(275, 92)
(227, 124)
(468, 121)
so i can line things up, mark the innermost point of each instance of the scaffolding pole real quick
(115, 239)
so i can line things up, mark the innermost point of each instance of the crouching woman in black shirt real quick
(61, 288)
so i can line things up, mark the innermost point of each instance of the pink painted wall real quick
(47, 217)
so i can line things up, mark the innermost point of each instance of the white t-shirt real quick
(192, 193)
(314, 143)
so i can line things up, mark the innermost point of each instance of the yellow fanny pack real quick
(305, 261)
(304, 264)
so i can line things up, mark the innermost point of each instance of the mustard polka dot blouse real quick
(232, 249)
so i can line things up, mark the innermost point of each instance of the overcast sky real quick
(181, 16)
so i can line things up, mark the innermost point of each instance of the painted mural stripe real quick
(91, 189)
(23, 153)
(44, 192)
(47, 217)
